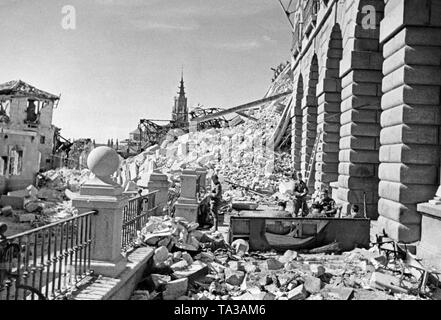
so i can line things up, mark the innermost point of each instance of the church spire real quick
(180, 109)
(181, 87)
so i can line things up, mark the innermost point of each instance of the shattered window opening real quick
(5, 111)
(15, 161)
(4, 166)
(33, 111)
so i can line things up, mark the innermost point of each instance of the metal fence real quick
(135, 217)
(46, 262)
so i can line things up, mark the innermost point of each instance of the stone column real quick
(410, 140)
(156, 181)
(361, 75)
(296, 114)
(328, 118)
(187, 204)
(309, 124)
(102, 194)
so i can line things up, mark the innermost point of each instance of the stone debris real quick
(243, 153)
(240, 246)
(44, 205)
(61, 179)
(222, 274)
(175, 289)
(170, 232)
(7, 211)
(299, 293)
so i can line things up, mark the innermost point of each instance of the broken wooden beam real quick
(241, 107)
(243, 114)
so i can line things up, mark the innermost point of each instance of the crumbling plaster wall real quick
(30, 164)
(36, 152)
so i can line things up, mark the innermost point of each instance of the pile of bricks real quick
(229, 273)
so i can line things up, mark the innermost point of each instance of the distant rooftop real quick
(21, 88)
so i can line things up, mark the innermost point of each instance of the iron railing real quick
(135, 217)
(46, 262)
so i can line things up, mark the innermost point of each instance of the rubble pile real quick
(176, 232)
(217, 271)
(62, 179)
(242, 153)
(47, 203)
(40, 206)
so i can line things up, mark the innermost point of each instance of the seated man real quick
(326, 204)
(281, 208)
(355, 212)
(316, 212)
(204, 218)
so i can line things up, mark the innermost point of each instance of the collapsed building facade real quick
(367, 82)
(26, 133)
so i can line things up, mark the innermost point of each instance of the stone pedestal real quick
(187, 205)
(437, 200)
(100, 193)
(156, 181)
(428, 248)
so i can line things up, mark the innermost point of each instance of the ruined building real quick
(26, 133)
(180, 109)
(367, 79)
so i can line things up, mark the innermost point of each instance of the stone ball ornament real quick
(103, 161)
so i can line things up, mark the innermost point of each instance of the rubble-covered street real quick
(189, 264)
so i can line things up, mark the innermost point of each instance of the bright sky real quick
(123, 61)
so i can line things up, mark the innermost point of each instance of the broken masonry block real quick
(317, 270)
(7, 211)
(273, 264)
(181, 265)
(175, 289)
(234, 277)
(288, 256)
(298, 293)
(312, 284)
(384, 281)
(161, 254)
(25, 217)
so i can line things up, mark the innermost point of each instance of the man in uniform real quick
(300, 193)
(355, 212)
(215, 200)
(327, 205)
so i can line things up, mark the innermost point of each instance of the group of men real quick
(324, 207)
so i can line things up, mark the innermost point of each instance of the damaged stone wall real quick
(382, 84)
